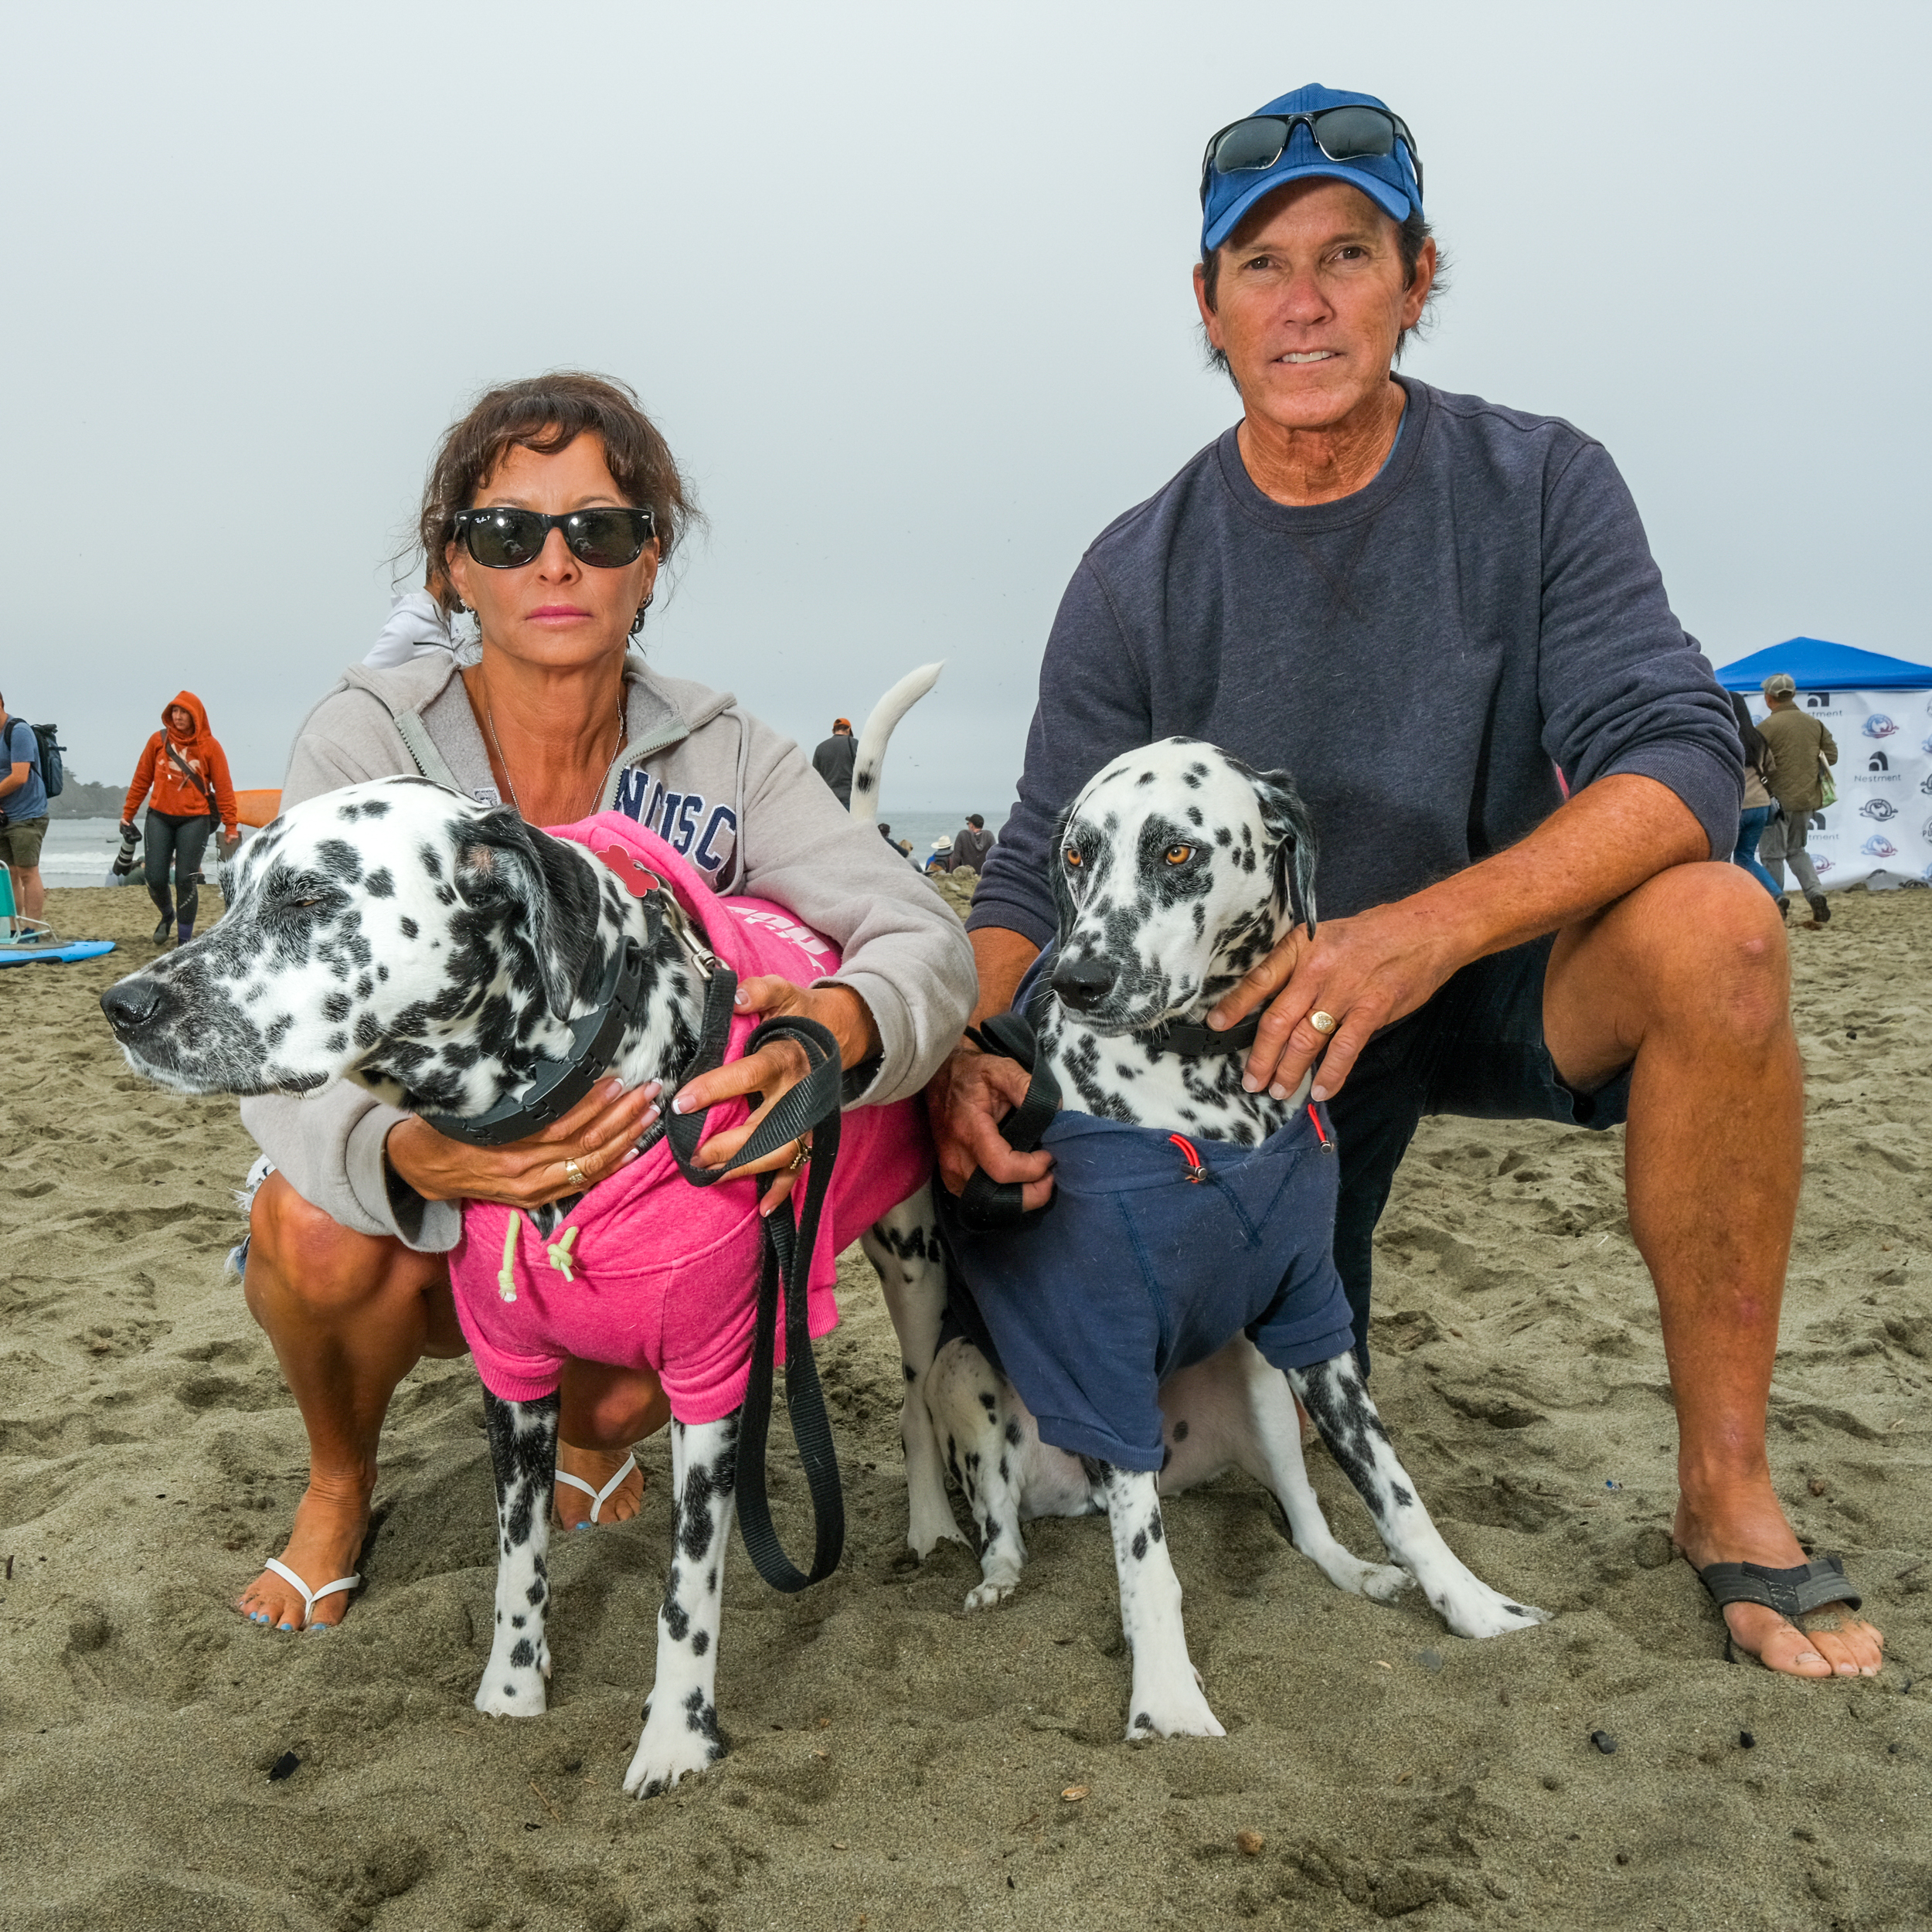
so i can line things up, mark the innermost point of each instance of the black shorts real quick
(1475, 1049)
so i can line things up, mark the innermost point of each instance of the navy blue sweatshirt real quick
(1421, 655)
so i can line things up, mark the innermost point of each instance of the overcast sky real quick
(907, 288)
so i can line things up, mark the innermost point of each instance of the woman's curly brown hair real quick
(547, 413)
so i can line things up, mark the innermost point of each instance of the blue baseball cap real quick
(1392, 181)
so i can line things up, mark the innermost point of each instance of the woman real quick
(552, 506)
(188, 772)
(1760, 763)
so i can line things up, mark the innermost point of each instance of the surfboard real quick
(74, 949)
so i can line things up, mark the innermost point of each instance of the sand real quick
(896, 1763)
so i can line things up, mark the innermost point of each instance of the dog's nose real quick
(130, 1005)
(1082, 984)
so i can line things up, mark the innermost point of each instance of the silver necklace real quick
(489, 718)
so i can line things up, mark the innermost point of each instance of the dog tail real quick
(877, 735)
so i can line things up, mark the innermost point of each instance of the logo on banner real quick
(1820, 866)
(1878, 726)
(1818, 700)
(1818, 821)
(1878, 808)
(1925, 832)
(1878, 846)
(1925, 785)
(1880, 763)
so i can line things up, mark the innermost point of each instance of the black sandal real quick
(1793, 1593)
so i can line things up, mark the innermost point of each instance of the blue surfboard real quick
(74, 949)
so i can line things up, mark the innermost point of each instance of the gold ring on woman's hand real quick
(575, 1176)
(1322, 1022)
(800, 1158)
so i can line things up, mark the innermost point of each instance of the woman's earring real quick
(637, 623)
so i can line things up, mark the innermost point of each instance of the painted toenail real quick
(284, 1626)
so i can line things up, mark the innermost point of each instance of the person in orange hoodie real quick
(188, 771)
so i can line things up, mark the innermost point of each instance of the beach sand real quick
(894, 1762)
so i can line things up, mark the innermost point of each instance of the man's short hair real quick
(1781, 684)
(974, 820)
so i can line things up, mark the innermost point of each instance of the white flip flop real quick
(309, 1597)
(598, 1497)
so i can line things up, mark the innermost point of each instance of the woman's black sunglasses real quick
(506, 539)
(1342, 133)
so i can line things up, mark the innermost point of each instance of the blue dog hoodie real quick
(1158, 1250)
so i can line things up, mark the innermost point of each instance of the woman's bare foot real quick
(595, 1467)
(1753, 1530)
(331, 1522)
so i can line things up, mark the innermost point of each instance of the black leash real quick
(810, 1107)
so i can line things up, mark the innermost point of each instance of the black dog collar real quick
(557, 1085)
(1193, 1040)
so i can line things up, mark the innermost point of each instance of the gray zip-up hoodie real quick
(738, 800)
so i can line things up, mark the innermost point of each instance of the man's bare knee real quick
(1716, 958)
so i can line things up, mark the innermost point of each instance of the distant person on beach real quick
(552, 505)
(1485, 946)
(834, 758)
(971, 844)
(187, 771)
(1760, 763)
(940, 860)
(1798, 739)
(23, 813)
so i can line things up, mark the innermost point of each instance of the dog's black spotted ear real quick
(1286, 821)
(552, 900)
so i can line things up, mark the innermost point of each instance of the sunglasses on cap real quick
(1342, 133)
(506, 539)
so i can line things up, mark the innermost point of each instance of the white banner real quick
(1879, 832)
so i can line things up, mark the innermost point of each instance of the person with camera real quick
(187, 771)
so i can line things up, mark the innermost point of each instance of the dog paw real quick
(1484, 1612)
(993, 1591)
(665, 1757)
(1383, 1582)
(927, 1532)
(513, 1680)
(1179, 1710)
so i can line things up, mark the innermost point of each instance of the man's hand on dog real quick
(967, 1100)
(599, 1133)
(775, 1069)
(1365, 971)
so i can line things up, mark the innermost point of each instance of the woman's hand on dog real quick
(775, 1069)
(599, 1133)
(1365, 971)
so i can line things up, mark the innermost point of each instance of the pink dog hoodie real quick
(649, 1271)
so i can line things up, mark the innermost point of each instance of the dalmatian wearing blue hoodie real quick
(1155, 1323)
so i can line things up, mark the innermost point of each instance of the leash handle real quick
(987, 1206)
(811, 1107)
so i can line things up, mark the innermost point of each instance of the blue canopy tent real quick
(1815, 665)
(1879, 711)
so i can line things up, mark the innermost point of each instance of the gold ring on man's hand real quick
(575, 1175)
(800, 1158)
(1322, 1022)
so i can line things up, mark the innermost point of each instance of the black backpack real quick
(53, 770)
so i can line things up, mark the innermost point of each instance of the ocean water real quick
(78, 851)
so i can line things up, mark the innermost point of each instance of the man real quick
(1424, 605)
(23, 801)
(971, 845)
(834, 759)
(1797, 741)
